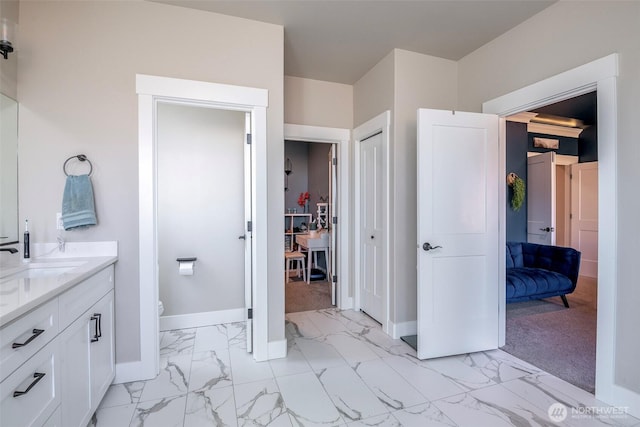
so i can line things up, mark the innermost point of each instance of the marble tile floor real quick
(342, 370)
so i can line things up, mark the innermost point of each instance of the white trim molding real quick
(197, 320)
(601, 76)
(127, 372)
(154, 89)
(403, 329)
(277, 349)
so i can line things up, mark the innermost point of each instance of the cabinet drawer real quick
(28, 334)
(80, 298)
(41, 392)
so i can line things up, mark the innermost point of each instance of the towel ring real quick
(80, 157)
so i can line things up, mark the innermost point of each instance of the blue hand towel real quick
(78, 208)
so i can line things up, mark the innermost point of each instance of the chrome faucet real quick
(12, 250)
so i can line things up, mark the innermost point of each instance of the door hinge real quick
(335, 278)
(570, 216)
(334, 161)
(250, 313)
(334, 220)
(249, 226)
(248, 138)
(570, 176)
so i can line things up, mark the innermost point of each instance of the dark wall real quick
(568, 146)
(588, 145)
(516, 161)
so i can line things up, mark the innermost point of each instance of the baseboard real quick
(132, 371)
(589, 268)
(197, 320)
(403, 329)
(277, 349)
(346, 304)
(626, 400)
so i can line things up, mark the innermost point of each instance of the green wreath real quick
(518, 187)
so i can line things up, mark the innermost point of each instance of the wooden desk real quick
(313, 245)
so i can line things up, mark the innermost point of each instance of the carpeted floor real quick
(558, 340)
(302, 297)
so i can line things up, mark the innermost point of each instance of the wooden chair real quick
(299, 258)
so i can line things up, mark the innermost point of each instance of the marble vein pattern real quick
(260, 404)
(350, 395)
(341, 370)
(178, 341)
(211, 407)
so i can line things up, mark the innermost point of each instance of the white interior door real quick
(541, 198)
(458, 232)
(372, 274)
(333, 197)
(584, 215)
(247, 236)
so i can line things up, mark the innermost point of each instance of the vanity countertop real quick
(19, 295)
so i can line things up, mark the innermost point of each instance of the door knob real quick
(242, 237)
(427, 246)
(547, 229)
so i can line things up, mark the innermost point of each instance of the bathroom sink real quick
(42, 270)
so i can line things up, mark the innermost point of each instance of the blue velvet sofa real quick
(540, 271)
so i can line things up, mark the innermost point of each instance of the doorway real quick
(551, 146)
(201, 215)
(341, 209)
(151, 91)
(310, 203)
(600, 75)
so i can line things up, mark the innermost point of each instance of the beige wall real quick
(421, 81)
(317, 103)
(374, 92)
(402, 82)
(565, 36)
(9, 9)
(78, 96)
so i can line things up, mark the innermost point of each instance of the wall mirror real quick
(8, 170)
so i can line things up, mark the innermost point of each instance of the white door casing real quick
(372, 235)
(601, 75)
(584, 215)
(332, 213)
(150, 89)
(458, 232)
(248, 234)
(541, 198)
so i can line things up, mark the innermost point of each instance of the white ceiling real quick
(340, 40)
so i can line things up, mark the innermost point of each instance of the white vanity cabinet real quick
(87, 350)
(75, 352)
(87, 362)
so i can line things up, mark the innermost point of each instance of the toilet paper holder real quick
(185, 266)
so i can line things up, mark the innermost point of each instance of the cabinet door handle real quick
(38, 376)
(98, 327)
(36, 333)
